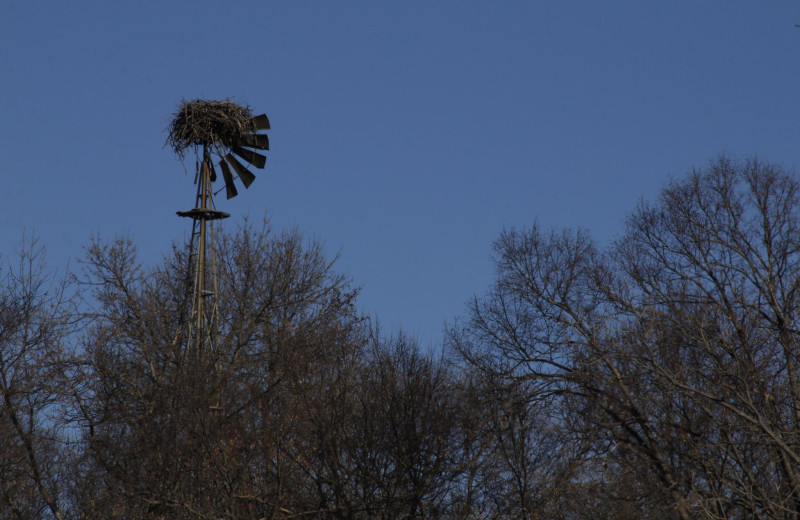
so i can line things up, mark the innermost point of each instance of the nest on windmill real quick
(208, 123)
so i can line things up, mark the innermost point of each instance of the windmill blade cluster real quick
(245, 141)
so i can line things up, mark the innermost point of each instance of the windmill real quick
(217, 131)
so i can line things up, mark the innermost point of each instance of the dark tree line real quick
(656, 377)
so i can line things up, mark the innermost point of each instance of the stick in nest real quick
(208, 123)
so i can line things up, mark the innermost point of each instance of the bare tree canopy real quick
(35, 319)
(675, 350)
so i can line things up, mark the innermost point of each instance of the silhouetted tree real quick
(675, 352)
(35, 314)
(387, 435)
(171, 434)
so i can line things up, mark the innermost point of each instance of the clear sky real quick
(405, 135)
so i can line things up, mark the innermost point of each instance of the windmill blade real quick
(230, 188)
(260, 122)
(258, 141)
(213, 172)
(256, 159)
(244, 174)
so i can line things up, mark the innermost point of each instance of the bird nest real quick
(208, 123)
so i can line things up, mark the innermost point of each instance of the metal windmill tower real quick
(223, 129)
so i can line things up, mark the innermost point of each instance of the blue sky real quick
(405, 135)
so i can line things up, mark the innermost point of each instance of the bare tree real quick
(716, 268)
(676, 350)
(35, 311)
(173, 435)
(387, 438)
